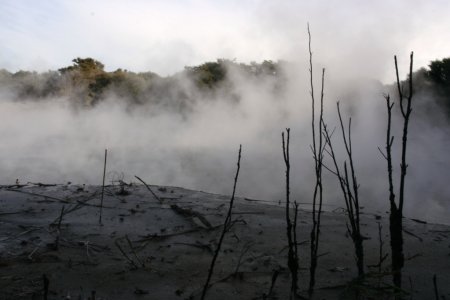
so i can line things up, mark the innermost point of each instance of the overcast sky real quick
(359, 37)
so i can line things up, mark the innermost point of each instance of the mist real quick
(48, 140)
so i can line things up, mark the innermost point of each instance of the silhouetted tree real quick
(396, 210)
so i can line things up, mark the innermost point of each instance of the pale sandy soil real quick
(171, 246)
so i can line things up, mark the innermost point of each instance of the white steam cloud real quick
(48, 141)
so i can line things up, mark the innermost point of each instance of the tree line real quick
(86, 83)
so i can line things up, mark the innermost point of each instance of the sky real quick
(164, 36)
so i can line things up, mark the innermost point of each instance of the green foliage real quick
(438, 77)
(208, 74)
(439, 72)
(87, 66)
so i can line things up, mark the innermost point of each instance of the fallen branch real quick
(198, 245)
(131, 261)
(165, 236)
(38, 195)
(146, 185)
(191, 214)
(412, 234)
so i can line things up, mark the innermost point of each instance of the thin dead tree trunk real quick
(226, 227)
(396, 212)
(317, 149)
(290, 226)
(349, 187)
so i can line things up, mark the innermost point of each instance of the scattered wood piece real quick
(206, 247)
(165, 236)
(28, 210)
(58, 228)
(38, 195)
(30, 256)
(131, 261)
(34, 228)
(338, 269)
(148, 188)
(42, 184)
(249, 213)
(191, 214)
(412, 234)
(273, 281)
(440, 231)
(134, 252)
(414, 256)
(419, 221)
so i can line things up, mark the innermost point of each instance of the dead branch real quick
(396, 211)
(412, 234)
(39, 195)
(290, 226)
(148, 188)
(189, 213)
(58, 228)
(318, 150)
(349, 187)
(224, 230)
(124, 254)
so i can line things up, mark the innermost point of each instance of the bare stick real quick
(318, 150)
(103, 188)
(148, 188)
(274, 280)
(380, 241)
(59, 228)
(134, 252)
(245, 249)
(226, 226)
(125, 255)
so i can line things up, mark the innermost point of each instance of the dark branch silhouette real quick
(226, 227)
(396, 212)
(291, 229)
(317, 149)
(349, 188)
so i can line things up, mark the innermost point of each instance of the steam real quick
(49, 141)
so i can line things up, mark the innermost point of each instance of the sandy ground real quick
(147, 249)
